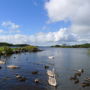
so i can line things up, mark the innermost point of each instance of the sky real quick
(45, 22)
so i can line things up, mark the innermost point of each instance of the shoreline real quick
(6, 50)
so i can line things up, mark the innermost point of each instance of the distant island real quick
(14, 45)
(87, 45)
(6, 48)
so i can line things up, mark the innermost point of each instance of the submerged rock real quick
(2, 62)
(35, 72)
(13, 67)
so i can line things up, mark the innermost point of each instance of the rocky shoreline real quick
(5, 50)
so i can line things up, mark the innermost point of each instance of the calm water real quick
(66, 61)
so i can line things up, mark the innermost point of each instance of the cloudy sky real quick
(45, 22)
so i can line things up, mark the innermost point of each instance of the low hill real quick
(87, 45)
(15, 45)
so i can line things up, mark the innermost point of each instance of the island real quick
(7, 48)
(86, 45)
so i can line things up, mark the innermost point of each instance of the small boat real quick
(52, 81)
(12, 67)
(2, 62)
(51, 57)
(50, 73)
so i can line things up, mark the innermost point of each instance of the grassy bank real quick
(13, 45)
(73, 46)
(5, 50)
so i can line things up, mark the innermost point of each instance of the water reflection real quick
(66, 60)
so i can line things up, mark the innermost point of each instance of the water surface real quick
(66, 61)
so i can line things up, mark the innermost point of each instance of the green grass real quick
(5, 50)
(30, 48)
(8, 50)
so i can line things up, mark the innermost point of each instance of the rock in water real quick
(2, 62)
(35, 72)
(12, 67)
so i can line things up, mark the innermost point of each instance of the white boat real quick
(51, 57)
(52, 81)
(50, 73)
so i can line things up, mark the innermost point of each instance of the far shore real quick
(6, 50)
(87, 45)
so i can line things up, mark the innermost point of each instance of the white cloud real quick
(64, 9)
(10, 25)
(59, 37)
(1, 30)
(75, 10)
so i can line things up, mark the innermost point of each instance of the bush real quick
(6, 50)
(30, 48)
